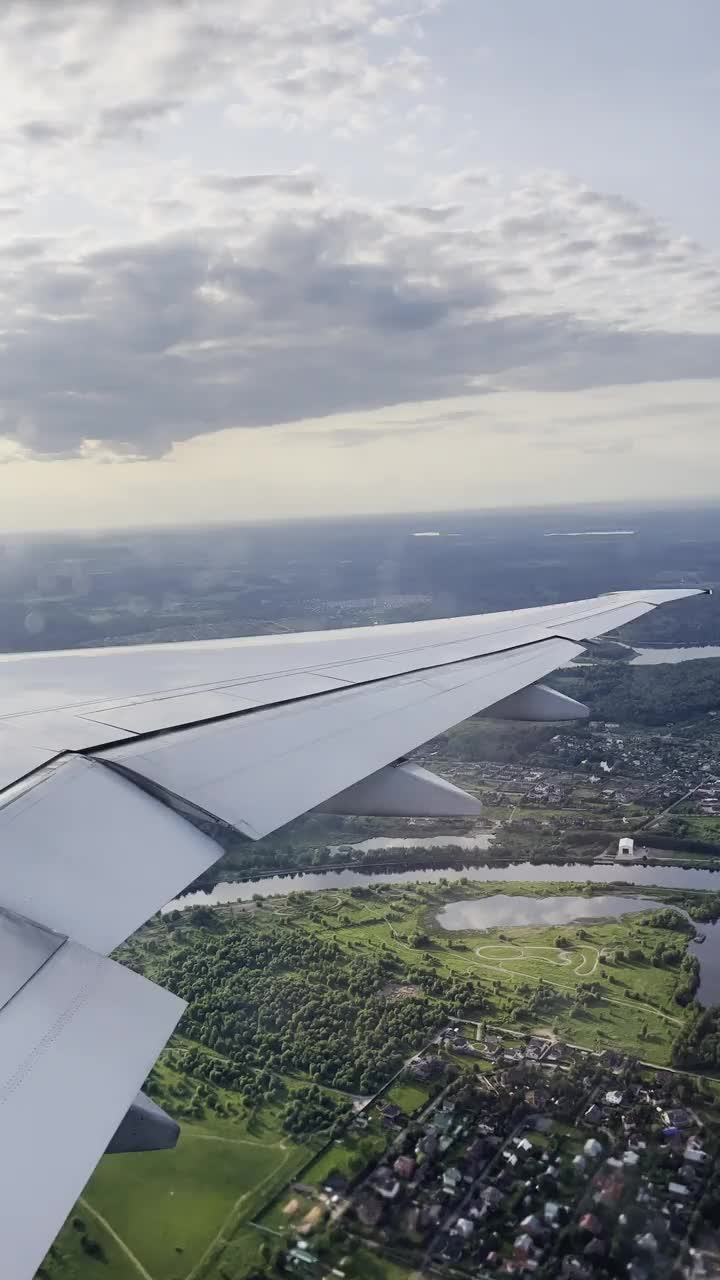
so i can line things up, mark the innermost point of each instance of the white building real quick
(626, 849)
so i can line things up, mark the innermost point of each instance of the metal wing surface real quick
(118, 770)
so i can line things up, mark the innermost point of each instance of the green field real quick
(69, 1261)
(411, 1097)
(168, 1205)
(633, 1005)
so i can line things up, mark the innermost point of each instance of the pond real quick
(503, 910)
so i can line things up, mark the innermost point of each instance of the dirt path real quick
(190, 1135)
(114, 1236)
(560, 957)
(562, 986)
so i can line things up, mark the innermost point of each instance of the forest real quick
(667, 694)
(697, 1045)
(282, 999)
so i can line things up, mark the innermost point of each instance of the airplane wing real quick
(121, 768)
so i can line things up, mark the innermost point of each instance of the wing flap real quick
(259, 771)
(75, 1046)
(91, 856)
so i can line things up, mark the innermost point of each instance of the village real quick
(553, 1162)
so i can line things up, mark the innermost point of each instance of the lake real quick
(504, 910)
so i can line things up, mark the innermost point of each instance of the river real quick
(578, 873)
(654, 657)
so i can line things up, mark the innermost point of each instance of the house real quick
(478, 1150)
(556, 1053)
(594, 1114)
(614, 1098)
(450, 1246)
(311, 1220)
(428, 1146)
(335, 1184)
(694, 1153)
(609, 1183)
(590, 1223)
(404, 1167)
(524, 1145)
(443, 1119)
(532, 1226)
(678, 1118)
(647, 1242)
(411, 1219)
(630, 1159)
(579, 1164)
(492, 1197)
(430, 1215)
(637, 1270)
(613, 1060)
(465, 1227)
(391, 1112)
(429, 1068)
(573, 1269)
(592, 1149)
(523, 1246)
(385, 1184)
(452, 1178)
(551, 1213)
(369, 1209)
(302, 1255)
(679, 1190)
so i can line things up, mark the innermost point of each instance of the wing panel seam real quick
(149, 734)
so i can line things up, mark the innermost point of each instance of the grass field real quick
(635, 1007)
(411, 1097)
(69, 1261)
(168, 1205)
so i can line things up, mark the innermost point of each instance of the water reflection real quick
(502, 910)
(313, 881)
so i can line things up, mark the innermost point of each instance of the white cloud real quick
(100, 69)
(216, 217)
(280, 301)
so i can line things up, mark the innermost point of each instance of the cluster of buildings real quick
(510, 1175)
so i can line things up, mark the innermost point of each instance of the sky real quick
(307, 257)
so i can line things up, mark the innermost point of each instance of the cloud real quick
(90, 71)
(148, 301)
(283, 312)
(263, 184)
